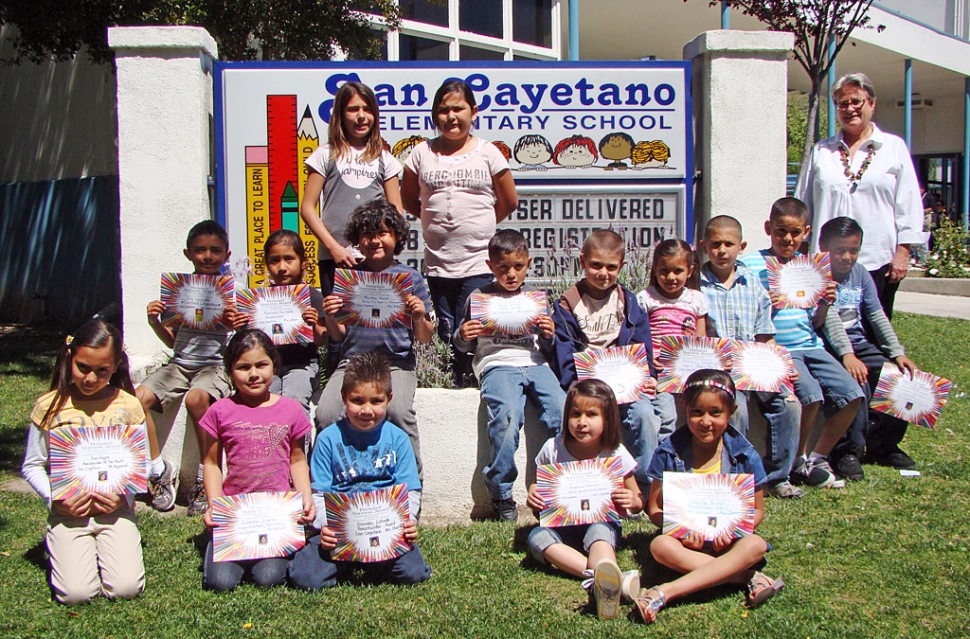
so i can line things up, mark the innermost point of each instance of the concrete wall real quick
(740, 83)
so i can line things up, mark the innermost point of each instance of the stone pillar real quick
(740, 81)
(165, 157)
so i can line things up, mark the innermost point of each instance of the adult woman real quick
(460, 187)
(868, 175)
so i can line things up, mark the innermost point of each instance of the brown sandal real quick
(649, 605)
(761, 588)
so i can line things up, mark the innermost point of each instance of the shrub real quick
(950, 256)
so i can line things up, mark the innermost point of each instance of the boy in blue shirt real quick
(820, 377)
(598, 313)
(510, 367)
(740, 309)
(847, 333)
(362, 452)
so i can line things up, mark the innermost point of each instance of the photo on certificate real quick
(757, 366)
(369, 526)
(711, 505)
(374, 300)
(918, 399)
(680, 356)
(579, 492)
(800, 282)
(625, 369)
(257, 526)
(278, 312)
(196, 301)
(106, 459)
(508, 314)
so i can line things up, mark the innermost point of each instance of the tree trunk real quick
(814, 99)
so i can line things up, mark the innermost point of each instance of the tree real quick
(243, 29)
(816, 25)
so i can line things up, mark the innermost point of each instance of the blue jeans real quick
(313, 569)
(504, 389)
(784, 418)
(226, 575)
(644, 423)
(448, 296)
(821, 377)
(296, 382)
(573, 536)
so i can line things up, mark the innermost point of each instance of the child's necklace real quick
(855, 177)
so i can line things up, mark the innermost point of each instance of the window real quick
(426, 11)
(466, 52)
(532, 22)
(416, 48)
(481, 16)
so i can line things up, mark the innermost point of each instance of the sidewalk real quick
(935, 305)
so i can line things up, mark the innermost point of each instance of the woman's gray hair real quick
(860, 80)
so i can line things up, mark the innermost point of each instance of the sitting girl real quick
(263, 437)
(591, 431)
(708, 445)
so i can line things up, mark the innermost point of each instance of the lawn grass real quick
(886, 557)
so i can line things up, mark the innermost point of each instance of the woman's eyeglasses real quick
(845, 105)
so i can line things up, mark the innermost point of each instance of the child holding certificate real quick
(847, 333)
(510, 368)
(92, 537)
(600, 313)
(195, 371)
(591, 431)
(362, 453)
(380, 231)
(709, 445)
(285, 261)
(820, 377)
(739, 308)
(262, 437)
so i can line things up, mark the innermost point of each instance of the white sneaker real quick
(630, 585)
(607, 579)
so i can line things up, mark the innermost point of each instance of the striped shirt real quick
(793, 326)
(740, 311)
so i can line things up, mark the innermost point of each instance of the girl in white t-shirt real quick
(591, 430)
(460, 186)
(352, 169)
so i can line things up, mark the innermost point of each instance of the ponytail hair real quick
(95, 333)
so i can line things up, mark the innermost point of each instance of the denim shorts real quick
(573, 536)
(821, 377)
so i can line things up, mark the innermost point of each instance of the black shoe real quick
(849, 467)
(894, 458)
(505, 509)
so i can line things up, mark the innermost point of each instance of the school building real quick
(59, 165)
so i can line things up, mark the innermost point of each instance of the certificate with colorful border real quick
(918, 399)
(711, 505)
(625, 369)
(106, 459)
(369, 526)
(680, 356)
(196, 301)
(278, 312)
(799, 282)
(374, 300)
(580, 492)
(764, 367)
(257, 526)
(508, 314)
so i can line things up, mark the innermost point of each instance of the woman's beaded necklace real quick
(855, 177)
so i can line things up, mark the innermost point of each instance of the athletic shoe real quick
(849, 467)
(815, 473)
(630, 585)
(784, 490)
(162, 488)
(198, 504)
(895, 458)
(607, 580)
(505, 509)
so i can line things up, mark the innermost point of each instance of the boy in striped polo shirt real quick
(741, 309)
(820, 376)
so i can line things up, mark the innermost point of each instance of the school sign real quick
(591, 145)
